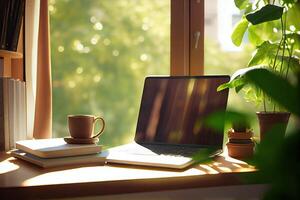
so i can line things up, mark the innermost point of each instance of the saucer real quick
(71, 140)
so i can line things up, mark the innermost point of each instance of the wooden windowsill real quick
(22, 179)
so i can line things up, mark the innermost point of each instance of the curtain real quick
(38, 70)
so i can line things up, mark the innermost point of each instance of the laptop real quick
(170, 128)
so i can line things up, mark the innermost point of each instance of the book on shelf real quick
(12, 112)
(96, 158)
(56, 147)
(11, 16)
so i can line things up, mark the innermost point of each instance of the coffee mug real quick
(82, 126)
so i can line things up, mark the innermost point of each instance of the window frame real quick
(187, 18)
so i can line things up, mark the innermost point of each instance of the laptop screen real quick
(173, 108)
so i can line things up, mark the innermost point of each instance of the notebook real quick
(170, 128)
(56, 147)
(62, 161)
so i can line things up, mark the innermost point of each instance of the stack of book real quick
(56, 152)
(11, 15)
(13, 124)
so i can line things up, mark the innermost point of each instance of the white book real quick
(23, 112)
(6, 112)
(15, 113)
(11, 112)
(57, 147)
(97, 158)
(18, 111)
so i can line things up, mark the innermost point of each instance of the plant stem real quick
(290, 58)
(284, 43)
(276, 56)
(275, 60)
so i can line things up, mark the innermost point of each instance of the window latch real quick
(196, 36)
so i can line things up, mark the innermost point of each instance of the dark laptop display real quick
(173, 109)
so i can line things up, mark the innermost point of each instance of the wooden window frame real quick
(187, 18)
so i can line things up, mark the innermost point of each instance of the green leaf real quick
(277, 88)
(264, 53)
(204, 155)
(294, 62)
(241, 4)
(237, 80)
(240, 87)
(257, 34)
(277, 160)
(236, 83)
(253, 36)
(223, 86)
(241, 72)
(239, 31)
(267, 13)
(217, 120)
(253, 94)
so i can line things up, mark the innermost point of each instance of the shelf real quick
(10, 54)
(6, 70)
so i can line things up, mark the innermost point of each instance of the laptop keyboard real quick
(172, 150)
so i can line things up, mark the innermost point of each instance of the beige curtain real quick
(38, 70)
(43, 105)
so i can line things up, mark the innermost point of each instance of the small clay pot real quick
(240, 144)
(239, 135)
(240, 151)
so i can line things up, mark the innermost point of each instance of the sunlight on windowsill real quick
(7, 166)
(116, 173)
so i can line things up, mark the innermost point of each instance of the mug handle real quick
(103, 126)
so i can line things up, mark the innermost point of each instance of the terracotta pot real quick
(267, 120)
(240, 150)
(239, 135)
(240, 144)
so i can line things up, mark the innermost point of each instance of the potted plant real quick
(240, 143)
(274, 28)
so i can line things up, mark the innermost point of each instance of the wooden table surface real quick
(21, 179)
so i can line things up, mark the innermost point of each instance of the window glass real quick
(101, 50)
(221, 56)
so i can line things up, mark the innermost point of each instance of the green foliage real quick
(238, 78)
(278, 162)
(239, 31)
(277, 88)
(241, 4)
(294, 15)
(294, 39)
(277, 157)
(289, 1)
(277, 43)
(205, 155)
(101, 53)
(263, 54)
(217, 120)
(267, 13)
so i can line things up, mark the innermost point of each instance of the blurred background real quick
(101, 51)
